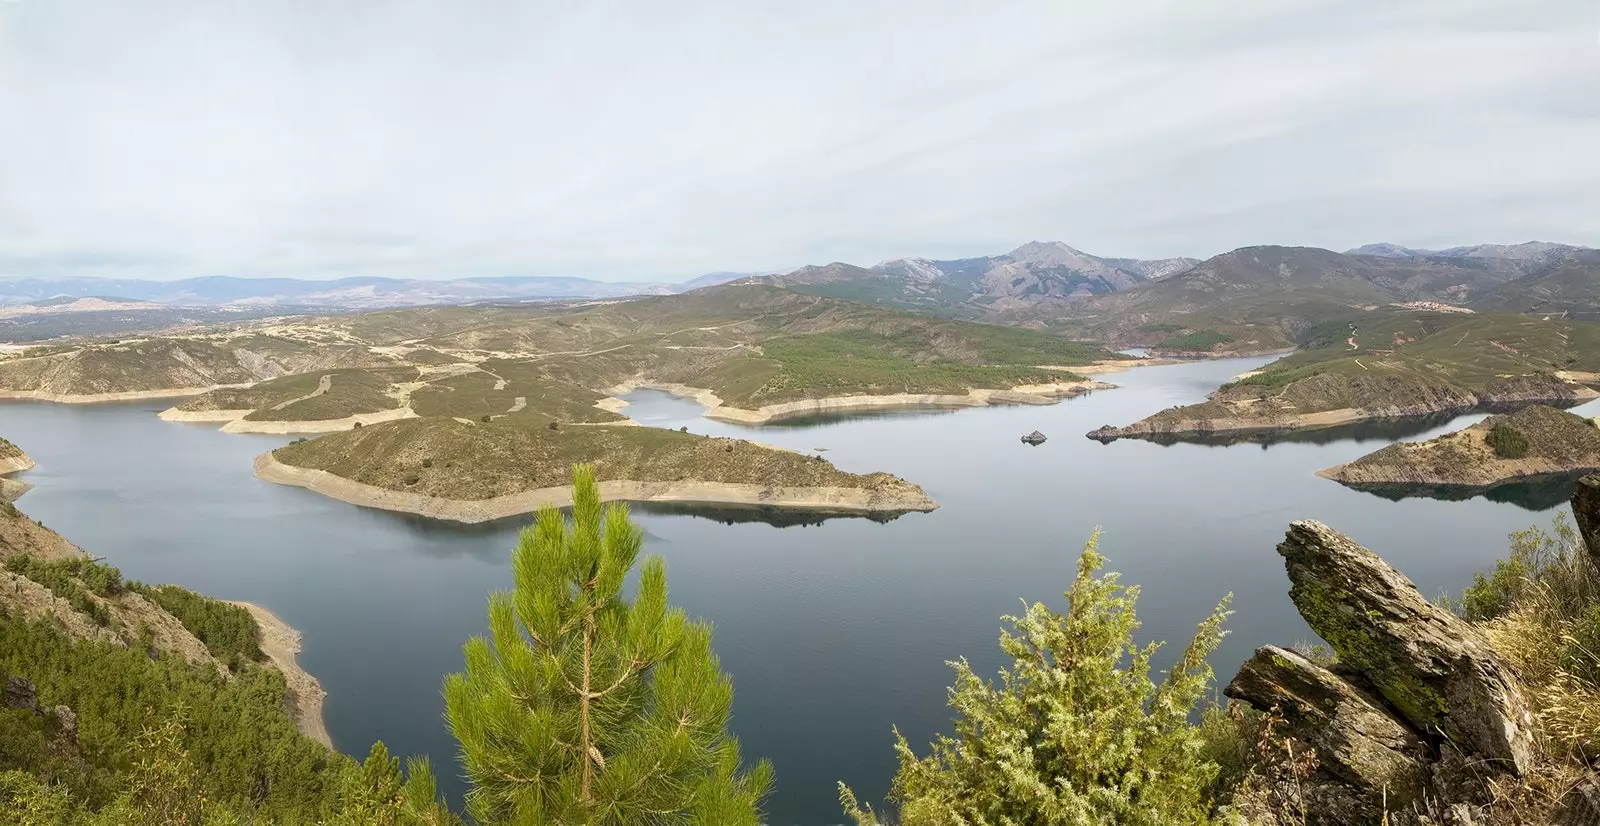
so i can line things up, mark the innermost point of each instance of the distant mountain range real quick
(1264, 296)
(1537, 252)
(341, 294)
(1253, 298)
(1268, 297)
(1038, 271)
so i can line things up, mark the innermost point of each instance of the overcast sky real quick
(666, 138)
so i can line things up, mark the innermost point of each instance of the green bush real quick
(1076, 731)
(1507, 441)
(1229, 734)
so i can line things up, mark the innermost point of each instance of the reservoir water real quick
(833, 631)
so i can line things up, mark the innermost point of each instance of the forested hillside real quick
(126, 703)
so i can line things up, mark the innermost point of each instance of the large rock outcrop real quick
(1586, 509)
(1421, 721)
(1433, 668)
(19, 693)
(1368, 760)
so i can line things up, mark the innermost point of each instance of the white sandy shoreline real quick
(720, 411)
(851, 500)
(234, 421)
(103, 398)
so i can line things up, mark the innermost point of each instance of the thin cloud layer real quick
(653, 140)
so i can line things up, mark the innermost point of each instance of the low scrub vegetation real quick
(1076, 731)
(863, 363)
(515, 453)
(1540, 607)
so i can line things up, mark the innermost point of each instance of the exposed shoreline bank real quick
(12, 489)
(234, 421)
(103, 398)
(303, 692)
(716, 409)
(1553, 443)
(16, 464)
(1195, 355)
(1316, 421)
(1113, 365)
(838, 499)
(1356, 477)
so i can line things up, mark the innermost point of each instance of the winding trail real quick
(577, 353)
(324, 384)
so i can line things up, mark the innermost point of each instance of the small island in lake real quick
(1537, 441)
(474, 471)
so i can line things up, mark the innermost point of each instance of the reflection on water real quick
(1534, 493)
(1381, 430)
(814, 419)
(766, 514)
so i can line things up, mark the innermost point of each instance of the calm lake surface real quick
(833, 632)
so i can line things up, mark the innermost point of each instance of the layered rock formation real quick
(1586, 511)
(1367, 756)
(1420, 713)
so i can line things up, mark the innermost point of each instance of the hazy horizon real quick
(657, 142)
(671, 279)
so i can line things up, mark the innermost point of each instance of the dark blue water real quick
(833, 632)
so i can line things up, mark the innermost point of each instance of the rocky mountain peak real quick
(921, 269)
(1052, 254)
(1387, 250)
